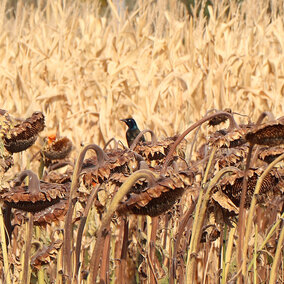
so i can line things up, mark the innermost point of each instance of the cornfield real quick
(201, 201)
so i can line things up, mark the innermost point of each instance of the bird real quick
(132, 131)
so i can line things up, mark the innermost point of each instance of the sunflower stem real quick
(124, 189)
(4, 249)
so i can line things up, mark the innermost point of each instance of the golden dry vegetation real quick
(86, 69)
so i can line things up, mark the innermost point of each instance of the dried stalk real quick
(105, 259)
(241, 257)
(34, 183)
(232, 125)
(123, 256)
(137, 139)
(108, 143)
(83, 221)
(268, 236)
(279, 251)
(242, 221)
(199, 203)
(152, 224)
(228, 255)
(4, 249)
(40, 273)
(269, 115)
(124, 189)
(180, 231)
(67, 249)
(195, 238)
(59, 278)
(28, 244)
(33, 188)
(255, 254)
(251, 212)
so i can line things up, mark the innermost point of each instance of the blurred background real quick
(88, 64)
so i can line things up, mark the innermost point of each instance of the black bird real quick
(132, 131)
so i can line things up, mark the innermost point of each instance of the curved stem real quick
(139, 158)
(263, 115)
(228, 256)
(252, 207)
(240, 114)
(138, 137)
(232, 125)
(190, 268)
(267, 238)
(67, 250)
(82, 226)
(196, 134)
(195, 239)
(34, 183)
(123, 190)
(184, 221)
(273, 272)
(242, 221)
(109, 141)
(199, 201)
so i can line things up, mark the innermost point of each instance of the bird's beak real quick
(124, 120)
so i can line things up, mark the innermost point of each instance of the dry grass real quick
(86, 71)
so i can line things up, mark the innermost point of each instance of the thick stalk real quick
(178, 237)
(124, 189)
(263, 115)
(195, 239)
(233, 125)
(124, 249)
(268, 236)
(108, 143)
(200, 198)
(67, 249)
(4, 249)
(59, 278)
(241, 263)
(223, 248)
(255, 254)
(251, 211)
(83, 221)
(28, 245)
(242, 221)
(228, 256)
(40, 273)
(279, 250)
(152, 226)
